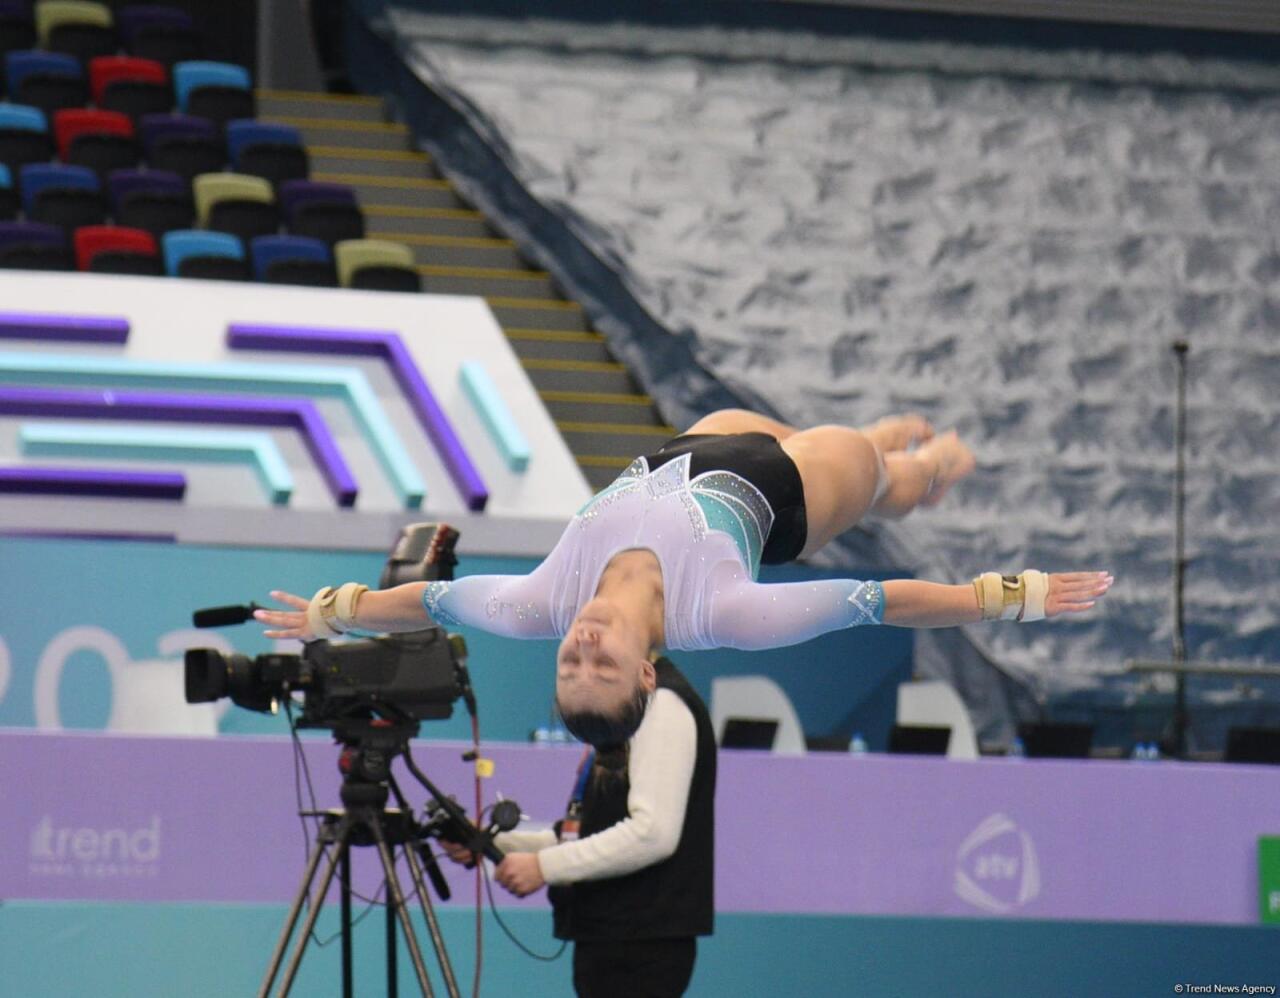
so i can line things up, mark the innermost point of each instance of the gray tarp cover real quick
(1006, 241)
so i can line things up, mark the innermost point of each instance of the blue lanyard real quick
(584, 774)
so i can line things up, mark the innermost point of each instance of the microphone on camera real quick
(222, 616)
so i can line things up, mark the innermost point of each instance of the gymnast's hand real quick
(287, 623)
(1075, 592)
(520, 873)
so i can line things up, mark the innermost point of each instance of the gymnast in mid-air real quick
(666, 557)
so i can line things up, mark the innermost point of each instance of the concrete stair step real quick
(580, 376)
(344, 132)
(380, 162)
(407, 192)
(613, 440)
(537, 344)
(571, 406)
(486, 281)
(303, 104)
(392, 221)
(537, 313)
(457, 251)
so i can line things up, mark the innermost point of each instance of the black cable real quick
(493, 907)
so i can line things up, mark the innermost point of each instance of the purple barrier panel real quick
(72, 328)
(47, 481)
(135, 818)
(300, 414)
(388, 346)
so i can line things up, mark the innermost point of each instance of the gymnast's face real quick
(603, 672)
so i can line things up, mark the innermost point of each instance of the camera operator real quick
(630, 866)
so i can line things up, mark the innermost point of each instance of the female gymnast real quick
(667, 555)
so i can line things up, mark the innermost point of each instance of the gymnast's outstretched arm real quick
(750, 615)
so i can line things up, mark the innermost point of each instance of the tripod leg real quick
(282, 943)
(393, 974)
(348, 977)
(433, 924)
(341, 842)
(395, 895)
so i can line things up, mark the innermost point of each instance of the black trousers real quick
(634, 968)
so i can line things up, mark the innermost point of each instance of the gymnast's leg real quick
(846, 476)
(889, 434)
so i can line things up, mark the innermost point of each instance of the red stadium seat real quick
(101, 140)
(119, 243)
(123, 69)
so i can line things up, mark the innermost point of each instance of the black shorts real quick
(759, 459)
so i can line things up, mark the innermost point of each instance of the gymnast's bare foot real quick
(899, 432)
(955, 461)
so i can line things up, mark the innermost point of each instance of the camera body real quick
(403, 677)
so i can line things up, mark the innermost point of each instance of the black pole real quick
(1178, 744)
(348, 975)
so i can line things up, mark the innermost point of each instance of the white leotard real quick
(707, 535)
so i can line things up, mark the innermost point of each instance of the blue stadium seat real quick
(47, 80)
(274, 152)
(292, 260)
(201, 253)
(24, 135)
(61, 194)
(8, 196)
(220, 91)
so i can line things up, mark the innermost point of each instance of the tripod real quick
(364, 821)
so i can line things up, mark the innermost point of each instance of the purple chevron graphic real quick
(33, 480)
(67, 328)
(390, 347)
(300, 414)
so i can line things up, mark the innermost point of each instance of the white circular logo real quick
(996, 866)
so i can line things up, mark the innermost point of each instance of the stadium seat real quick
(154, 200)
(219, 91)
(292, 260)
(182, 144)
(324, 211)
(47, 80)
(17, 30)
(61, 194)
(210, 255)
(78, 27)
(110, 249)
(273, 152)
(232, 202)
(130, 85)
(8, 196)
(165, 34)
(101, 140)
(24, 135)
(376, 265)
(34, 246)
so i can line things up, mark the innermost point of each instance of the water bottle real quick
(858, 744)
(1139, 752)
(541, 736)
(1153, 751)
(1016, 749)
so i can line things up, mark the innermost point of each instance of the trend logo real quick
(996, 867)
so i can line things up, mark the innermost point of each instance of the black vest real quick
(667, 900)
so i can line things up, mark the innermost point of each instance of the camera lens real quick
(205, 675)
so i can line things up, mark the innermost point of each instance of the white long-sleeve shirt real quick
(660, 769)
(707, 534)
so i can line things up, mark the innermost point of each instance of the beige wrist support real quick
(1012, 597)
(332, 612)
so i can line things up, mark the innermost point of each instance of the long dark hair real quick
(607, 731)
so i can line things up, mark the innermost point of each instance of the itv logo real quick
(113, 851)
